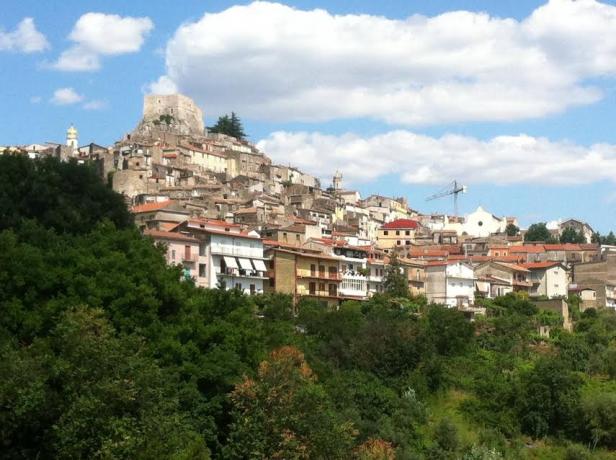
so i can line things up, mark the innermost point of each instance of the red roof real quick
(527, 248)
(562, 247)
(159, 234)
(418, 252)
(401, 224)
(154, 206)
(214, 222)
(539, 265)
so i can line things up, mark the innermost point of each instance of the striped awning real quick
(230, 261)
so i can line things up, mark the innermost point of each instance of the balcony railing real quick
(317, 293)
(335, 276)
(237, 251)
(191, 258)
(240, 273)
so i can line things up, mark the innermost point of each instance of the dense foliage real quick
(539, 232)
(229, 125)
(105, 353)
(569, 235)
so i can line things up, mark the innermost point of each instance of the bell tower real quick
(337, 181)
(72, 140)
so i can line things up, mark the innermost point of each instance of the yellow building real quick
(304, 274)
(416, 275)
(208, 160)
(397, 234)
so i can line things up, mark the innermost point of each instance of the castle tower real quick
(337, 181)
(72, 140)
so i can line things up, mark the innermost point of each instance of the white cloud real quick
(98, 34)
(35, 99)
(164, 85)
(271, 61)
(420, 159)
(25, 38)
(65, 96)
(95, 104)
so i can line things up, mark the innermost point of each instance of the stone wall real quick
(181, 108)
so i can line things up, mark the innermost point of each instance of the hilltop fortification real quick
(174, 113)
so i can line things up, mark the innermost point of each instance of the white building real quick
(450, 283)
(549, 279)
(353, 268)
(231, 257)
(482, 223)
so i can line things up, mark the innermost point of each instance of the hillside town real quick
(232, 218)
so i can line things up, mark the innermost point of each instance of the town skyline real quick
(553, 160)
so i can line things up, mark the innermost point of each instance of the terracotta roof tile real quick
(401, 223)
(154, 206)
(159, 234)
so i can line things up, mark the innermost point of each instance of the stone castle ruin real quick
(173, 113)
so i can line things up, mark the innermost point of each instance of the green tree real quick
(86, 392)
(512, 230)
(229, 125)
(549, 403)
(600, 413)
(284, 413)
(539, 232)
(569, 235)
(609, 239)
(396, 283)
(65, 196)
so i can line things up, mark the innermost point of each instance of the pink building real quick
(182, 250)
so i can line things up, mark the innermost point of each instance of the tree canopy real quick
(105, 352)
(65, 196)
(539, 232)
(229, 125)
(395, 283)
(512, 230)
(569, 235)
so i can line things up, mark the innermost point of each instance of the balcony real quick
(190, 258)
(318, 275)
(317, 293)
(240, 273)
(237, 251)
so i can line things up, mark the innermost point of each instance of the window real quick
(385, 232)
(202, 270)
(332, 290)
(238, 286)
(252, 289)
(397, 232)
(333, 272)
(173, 254)
(398, 242)
(322, 270)
(187, 252)
(313, 270)
(407, 242)
(202, 249)
(321, 287)
(407, 232)
(272, 282)
(312, 288)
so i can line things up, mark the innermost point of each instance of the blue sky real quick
(566, 109)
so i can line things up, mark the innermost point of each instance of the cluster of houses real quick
(301, 261)
(232, 218)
